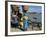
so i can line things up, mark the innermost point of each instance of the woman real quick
(25, 17)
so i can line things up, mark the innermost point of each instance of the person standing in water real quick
(25, 17)
(15, 11)
(16, 16)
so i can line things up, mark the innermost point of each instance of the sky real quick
(35, 8)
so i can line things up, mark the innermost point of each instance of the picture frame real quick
(8, 10)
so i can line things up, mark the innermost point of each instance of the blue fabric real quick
(16, 24)
(25, 22)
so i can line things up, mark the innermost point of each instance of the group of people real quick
(16, 17)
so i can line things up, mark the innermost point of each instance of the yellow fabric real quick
(26, 17)
(21, 23)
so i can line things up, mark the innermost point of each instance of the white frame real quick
(27, 32)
